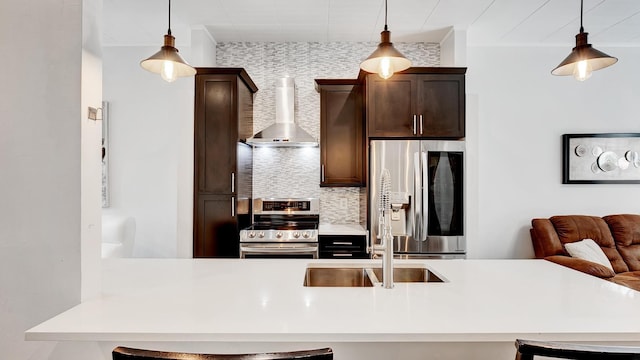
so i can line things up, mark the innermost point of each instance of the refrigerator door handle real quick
(417, 196)
(425, 196)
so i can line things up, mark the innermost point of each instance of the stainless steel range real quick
(282, 228)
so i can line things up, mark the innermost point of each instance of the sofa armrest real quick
(545, 239)
(581, 265)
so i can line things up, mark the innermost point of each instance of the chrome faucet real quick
(385, 248)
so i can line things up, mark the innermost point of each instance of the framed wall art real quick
(609, 158)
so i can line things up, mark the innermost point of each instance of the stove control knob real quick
(252, 234)
(296, 234)
(261, 234)
(306, 235)
(279, 234)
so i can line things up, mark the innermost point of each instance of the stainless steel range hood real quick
(285, 131)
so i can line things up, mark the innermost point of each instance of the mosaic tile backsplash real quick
(295, 172)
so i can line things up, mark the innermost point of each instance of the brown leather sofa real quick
(617, 235)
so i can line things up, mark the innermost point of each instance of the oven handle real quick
(279, 249)
(313, 250)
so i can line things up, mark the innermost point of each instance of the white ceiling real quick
(488, 22)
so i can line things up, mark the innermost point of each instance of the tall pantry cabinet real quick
(222, 160)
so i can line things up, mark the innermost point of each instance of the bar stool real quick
(125, 353)
(527, 349)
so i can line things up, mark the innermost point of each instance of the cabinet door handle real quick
(414, 124)
(322, 173)
(233, 206)
(342, 255)
(421, 124)
(233, 182)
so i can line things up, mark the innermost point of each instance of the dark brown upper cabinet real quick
(341, 133)
(222, 161)
(420, 102)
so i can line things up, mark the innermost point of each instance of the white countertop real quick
(229, 300)
(341, 229)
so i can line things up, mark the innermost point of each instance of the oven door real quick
(279, 250)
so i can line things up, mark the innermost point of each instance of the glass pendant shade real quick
(167, 62)
(385, 60)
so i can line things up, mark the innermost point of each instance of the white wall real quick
(151, 145)
(40, 180)
(522, 111)
(203, 48)
(148, 117)
(91, 149)
(453, 48)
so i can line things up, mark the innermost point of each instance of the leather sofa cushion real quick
(629, 279)
(626, 233)
(581, 265)
(572, 228)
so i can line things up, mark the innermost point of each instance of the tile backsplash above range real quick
(295, 172)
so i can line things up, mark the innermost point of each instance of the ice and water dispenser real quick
(400, 202)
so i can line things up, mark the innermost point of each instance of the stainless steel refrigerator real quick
(427, 196)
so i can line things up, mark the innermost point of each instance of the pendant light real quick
(583, 58)
(167, 62)
(385, 60)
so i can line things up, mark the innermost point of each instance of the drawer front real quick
(343, 246)
(343, 255)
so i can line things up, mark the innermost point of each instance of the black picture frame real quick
(598, 158)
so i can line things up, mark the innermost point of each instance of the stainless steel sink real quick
(337, 277)
(410, 274)
(357, 276)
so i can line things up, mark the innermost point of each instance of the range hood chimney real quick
(285, 131)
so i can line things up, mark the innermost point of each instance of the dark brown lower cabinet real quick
(343, 247)
(217, 227)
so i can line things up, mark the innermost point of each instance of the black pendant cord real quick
(581, 11)
(385, 15)
(169, 31)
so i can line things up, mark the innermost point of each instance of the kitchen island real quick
(229, 305)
